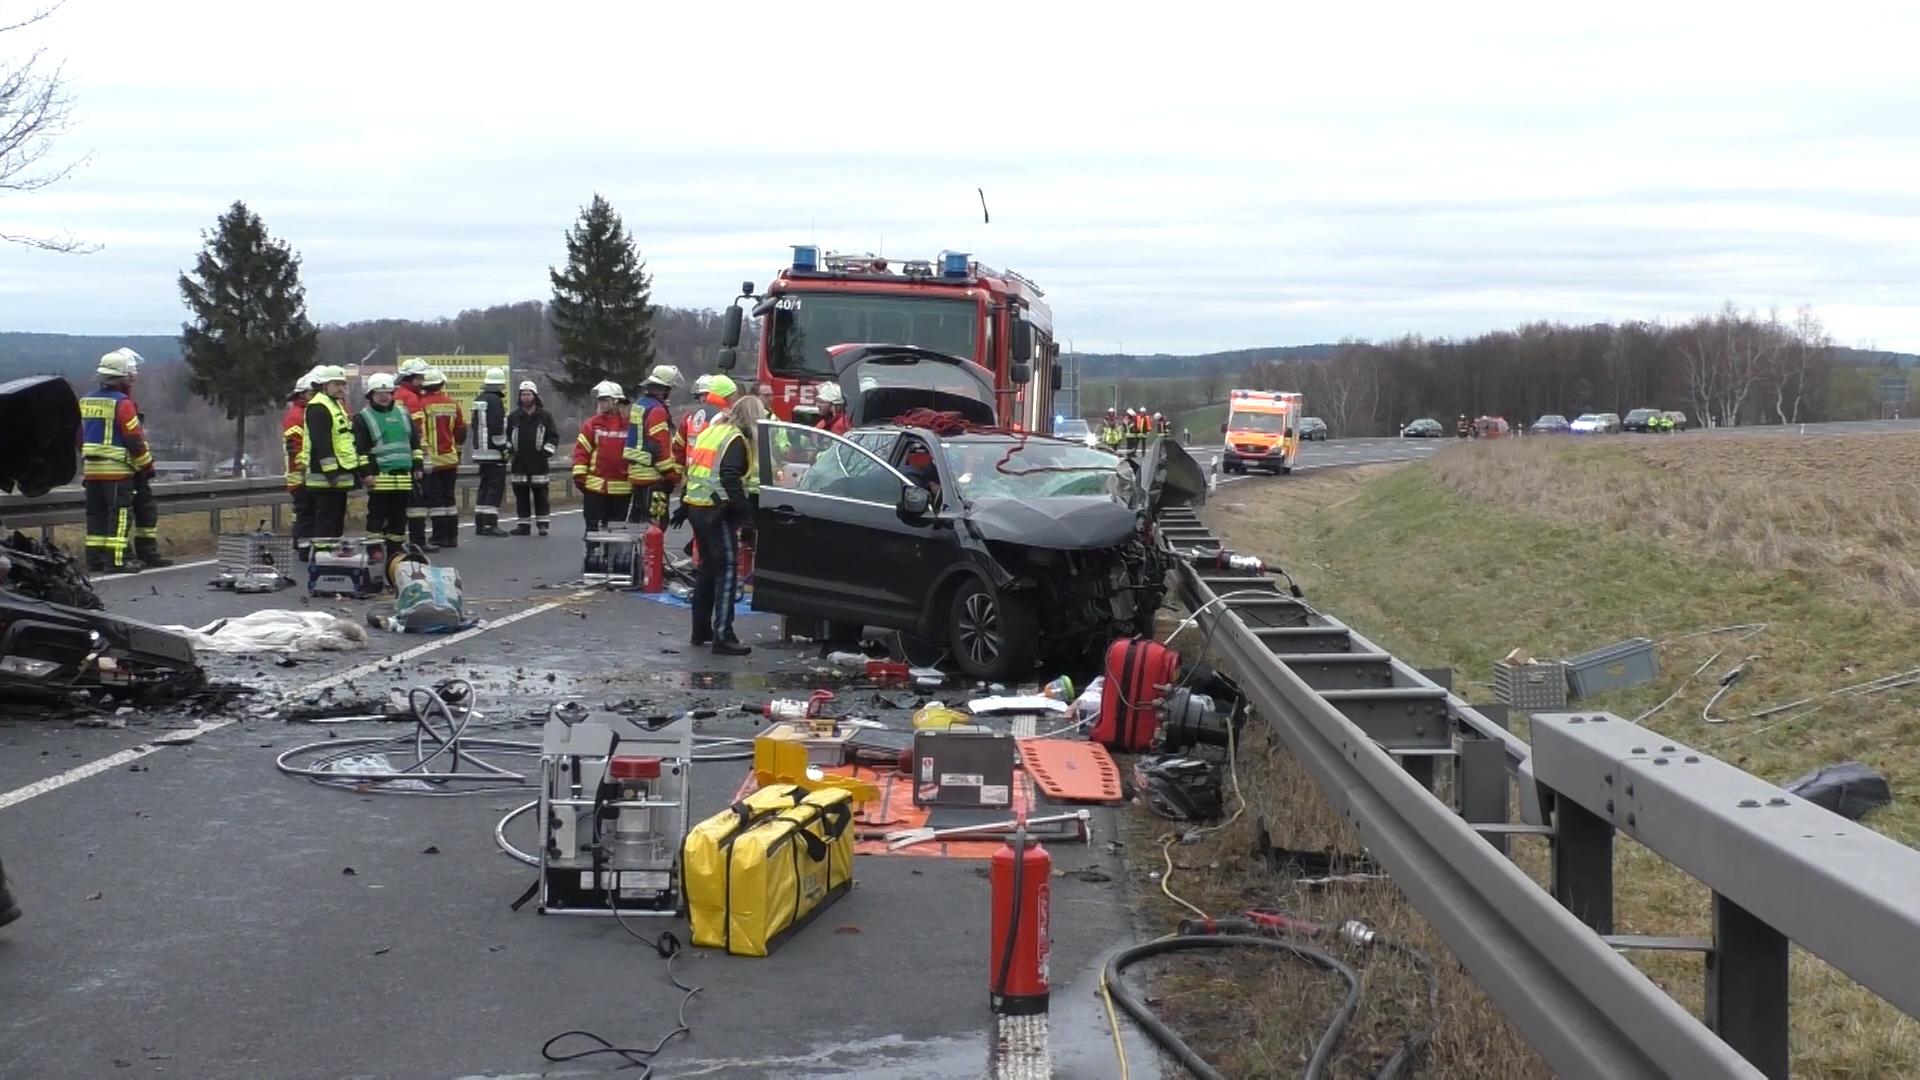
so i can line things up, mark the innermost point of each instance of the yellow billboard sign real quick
(464, 373)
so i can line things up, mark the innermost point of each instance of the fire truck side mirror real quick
(1022, 374)
(730, 327)
(727, 359)
(1056, 378)
(1022, 342)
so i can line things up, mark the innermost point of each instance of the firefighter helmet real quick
(665, 375)
(329, 373)
(527, 384)
(701, 383)
(380, 381)
(119, 364)
(830, 394)
(607, 389)
(434, 377)
(494, 377)
(412, 366)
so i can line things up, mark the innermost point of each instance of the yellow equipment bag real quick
(753, 888)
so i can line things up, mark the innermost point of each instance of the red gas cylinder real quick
(1018, 943)
(653, 560)
(743, 563)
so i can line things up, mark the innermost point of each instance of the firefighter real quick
(388, 444)
(408, 393)
(443, 427)
(1111, 433)
(653, 465)
(531, 441)
(600, 463)
(722, 481)
(113, 451)
(489, 436)
(146, 512)
(1159, 424)
(333, 462)
(293, 443)
(1461, 428)
(833, 409)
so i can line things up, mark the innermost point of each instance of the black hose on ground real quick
(1176, 1046)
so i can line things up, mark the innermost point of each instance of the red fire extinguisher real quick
(743, 562)
(1021, 932)
(653, 560)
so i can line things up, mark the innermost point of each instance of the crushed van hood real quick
(1064, 522)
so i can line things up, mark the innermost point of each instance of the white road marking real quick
(183, 735)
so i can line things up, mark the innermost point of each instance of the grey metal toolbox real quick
(1627, 663)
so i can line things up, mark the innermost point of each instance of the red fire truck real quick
(950, 304)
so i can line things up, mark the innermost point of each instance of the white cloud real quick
(1176, 178)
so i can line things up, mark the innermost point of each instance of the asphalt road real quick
(190, 911)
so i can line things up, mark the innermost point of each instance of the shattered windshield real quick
(1034, 468)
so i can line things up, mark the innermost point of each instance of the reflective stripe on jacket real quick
(293, 441)
(442, 427)
(389, 445)
(599, 455)
(704, 487)
(489, 426)
(650, 448)
(112, 445)
(332, 458)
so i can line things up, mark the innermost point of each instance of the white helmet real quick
(608, 389)
(829, 393)
(412, 365)
(527, 384)
(381, 381)
(434, 377)
(329, 373)
(701, 383)
(665, 375)
(495, 377)
(304, 383)
(120, 363)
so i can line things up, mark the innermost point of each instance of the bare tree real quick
(34, 109)
(1806, 349)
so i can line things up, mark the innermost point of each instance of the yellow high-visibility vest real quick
(703, 464)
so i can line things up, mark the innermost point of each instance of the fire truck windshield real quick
(806, 325)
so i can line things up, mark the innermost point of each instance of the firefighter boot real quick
(9, 908)
(543, 528)
(148, 552)
(524, 529)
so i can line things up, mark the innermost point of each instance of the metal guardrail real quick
(1371, 730)
(68, 505)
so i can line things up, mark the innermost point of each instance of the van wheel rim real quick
(980, 629)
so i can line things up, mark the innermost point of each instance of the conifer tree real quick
(601, 313)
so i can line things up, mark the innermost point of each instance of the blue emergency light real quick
(806, 257)
(953, 264)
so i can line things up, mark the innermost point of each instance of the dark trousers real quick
(493, 488)
(146, 520)
(534, 492)
(302, 518)
(446, 512)
(601, 510)
(718, 587)
(420, 509)
(329, 516)
(387, 517)
(109, 522)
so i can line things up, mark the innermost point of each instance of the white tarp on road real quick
(277, 631)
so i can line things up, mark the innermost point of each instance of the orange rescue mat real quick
(761, 869)
(1069, 770)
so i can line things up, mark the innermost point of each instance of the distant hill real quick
(74, 355)
(1116, 365)
(1875, 357)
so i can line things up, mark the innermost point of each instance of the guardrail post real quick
(1747, 987)
(1480, 783)
(213, 522)
(276, 517)
(1583, 864)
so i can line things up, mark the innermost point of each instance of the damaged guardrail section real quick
(1372, 730)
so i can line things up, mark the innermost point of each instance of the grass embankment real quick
(1559, 548)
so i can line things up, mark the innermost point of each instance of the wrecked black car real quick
(56, 647)
(997, 548)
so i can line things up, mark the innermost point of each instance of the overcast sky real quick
(1177, 177)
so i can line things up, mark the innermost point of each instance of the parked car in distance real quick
(1076, 430)
(1313, 428)
(1423, 428)
(1491, 427)
(1679, 419)
(1639, 420)
(1550, 424)
(1596, 424)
